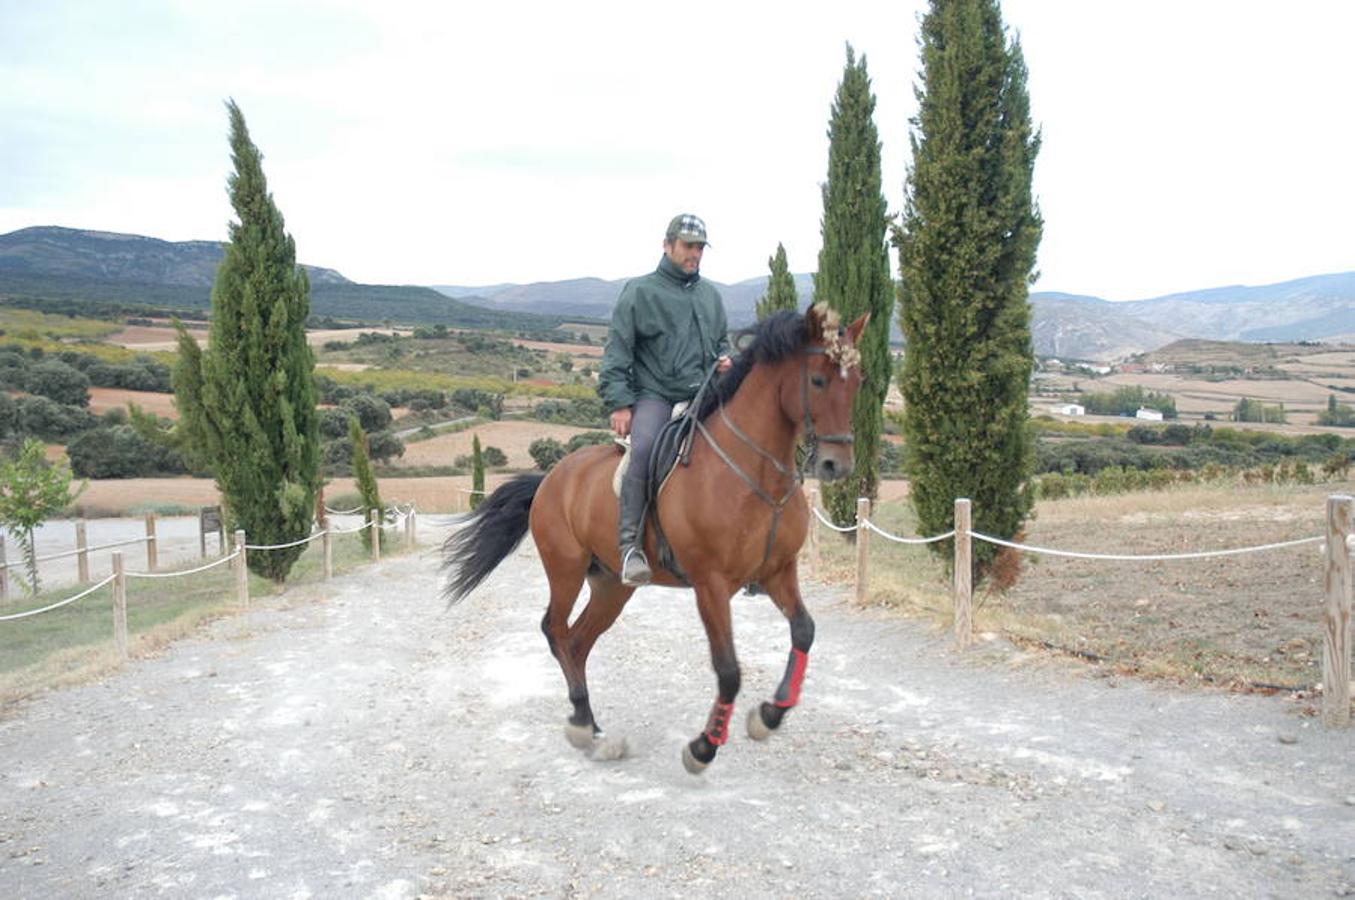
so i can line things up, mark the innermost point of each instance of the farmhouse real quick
(1069, 409)
(1151, 415)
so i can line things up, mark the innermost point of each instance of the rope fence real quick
(378, 520)
(1336, 548)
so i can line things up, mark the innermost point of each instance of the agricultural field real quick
(1207, 379)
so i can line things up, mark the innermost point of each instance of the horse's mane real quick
(779, 336)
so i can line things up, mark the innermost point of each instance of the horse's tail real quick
(487, 536)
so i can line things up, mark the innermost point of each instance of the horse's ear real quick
(854, 330)
(814, 322)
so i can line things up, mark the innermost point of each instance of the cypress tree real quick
(781, 293)
(477, 473)
(966, 253)
(247, 402)
(853, 272)
(364, 478)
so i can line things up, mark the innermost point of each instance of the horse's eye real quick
(818, 381)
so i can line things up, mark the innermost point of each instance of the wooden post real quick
(410, 536)
(813, 533)
(964, 575)
(1336, 633)
(862, 545)
(4, 571)
(241, 569)
(327, 541)
(375, 523)
(119, 606)
(81, 552)
(152, 551)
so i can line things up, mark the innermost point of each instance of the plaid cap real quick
(687, 227)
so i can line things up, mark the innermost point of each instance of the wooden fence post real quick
(410, 526)
(241, 569)
(1336, 634)
(119, 607)
(964, 575)
(375, 523)
(327, 541)
(813, 533)
(152, 551)
(862, 545)
(81, 552)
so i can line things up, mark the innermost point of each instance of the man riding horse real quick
(668, 329)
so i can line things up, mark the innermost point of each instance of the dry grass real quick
(513, 438)
(1248, 621)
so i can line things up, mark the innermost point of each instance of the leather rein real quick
(796, 475)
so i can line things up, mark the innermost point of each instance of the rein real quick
(796, 475)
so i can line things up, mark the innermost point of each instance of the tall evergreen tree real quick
(853, 273)
(781, 293)
(477, 473)
(966, 253)
(247, 402)
(364, 478)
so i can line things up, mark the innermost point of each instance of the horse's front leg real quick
(784, 588)
(713, 603)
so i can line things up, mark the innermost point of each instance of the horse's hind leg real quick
(784, 588)
(571, 645)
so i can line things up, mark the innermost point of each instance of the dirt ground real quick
(512, 437)
(148, 338)
(102, 399)
(360, 739)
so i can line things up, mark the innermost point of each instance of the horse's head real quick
(821, 400)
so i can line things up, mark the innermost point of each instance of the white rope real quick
(65, 553)
(210, 565)
(305, 540)
(472, 491)
(80, 596)
(1204, 554)
(440, 521)
(343, 512)
(830, 524)
(904, 540)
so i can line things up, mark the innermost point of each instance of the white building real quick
(1069, 409)
(1151, 415)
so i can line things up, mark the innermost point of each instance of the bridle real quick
(791, 471)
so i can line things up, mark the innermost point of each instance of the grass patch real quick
(1251, 621)
(74, 644)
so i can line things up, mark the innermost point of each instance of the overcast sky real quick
(1187, 144)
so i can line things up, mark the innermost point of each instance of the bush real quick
(49, 421)
(119, 452)
(588, 439)
(58, 381)
(546, 452)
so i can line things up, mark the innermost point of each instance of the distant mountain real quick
(1071, 326)
(594, 297)
(75, 253)
(70, 266)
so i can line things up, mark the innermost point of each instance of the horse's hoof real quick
(757, 729)
(693, 765)
(607, 749)
(579, 736)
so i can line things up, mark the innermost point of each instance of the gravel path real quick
(358, 740)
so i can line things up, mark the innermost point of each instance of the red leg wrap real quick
(795, 679)
(717, 729)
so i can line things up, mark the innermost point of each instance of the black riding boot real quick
(634, 566)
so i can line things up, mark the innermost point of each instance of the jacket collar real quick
(672, 272)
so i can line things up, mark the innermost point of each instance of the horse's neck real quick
(755, 409)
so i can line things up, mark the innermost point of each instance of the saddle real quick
(672, 446)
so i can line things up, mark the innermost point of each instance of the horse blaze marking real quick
(793, 680)
(717, 729)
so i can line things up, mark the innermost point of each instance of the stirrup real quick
(634, 567)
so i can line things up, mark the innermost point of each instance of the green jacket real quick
(668, 327)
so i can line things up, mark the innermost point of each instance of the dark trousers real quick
(648, 417)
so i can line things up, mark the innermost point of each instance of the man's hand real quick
(621, 421)
(722, 363)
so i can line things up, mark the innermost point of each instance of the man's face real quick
(685, 256)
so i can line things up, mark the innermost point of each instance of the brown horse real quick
(734, 516)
